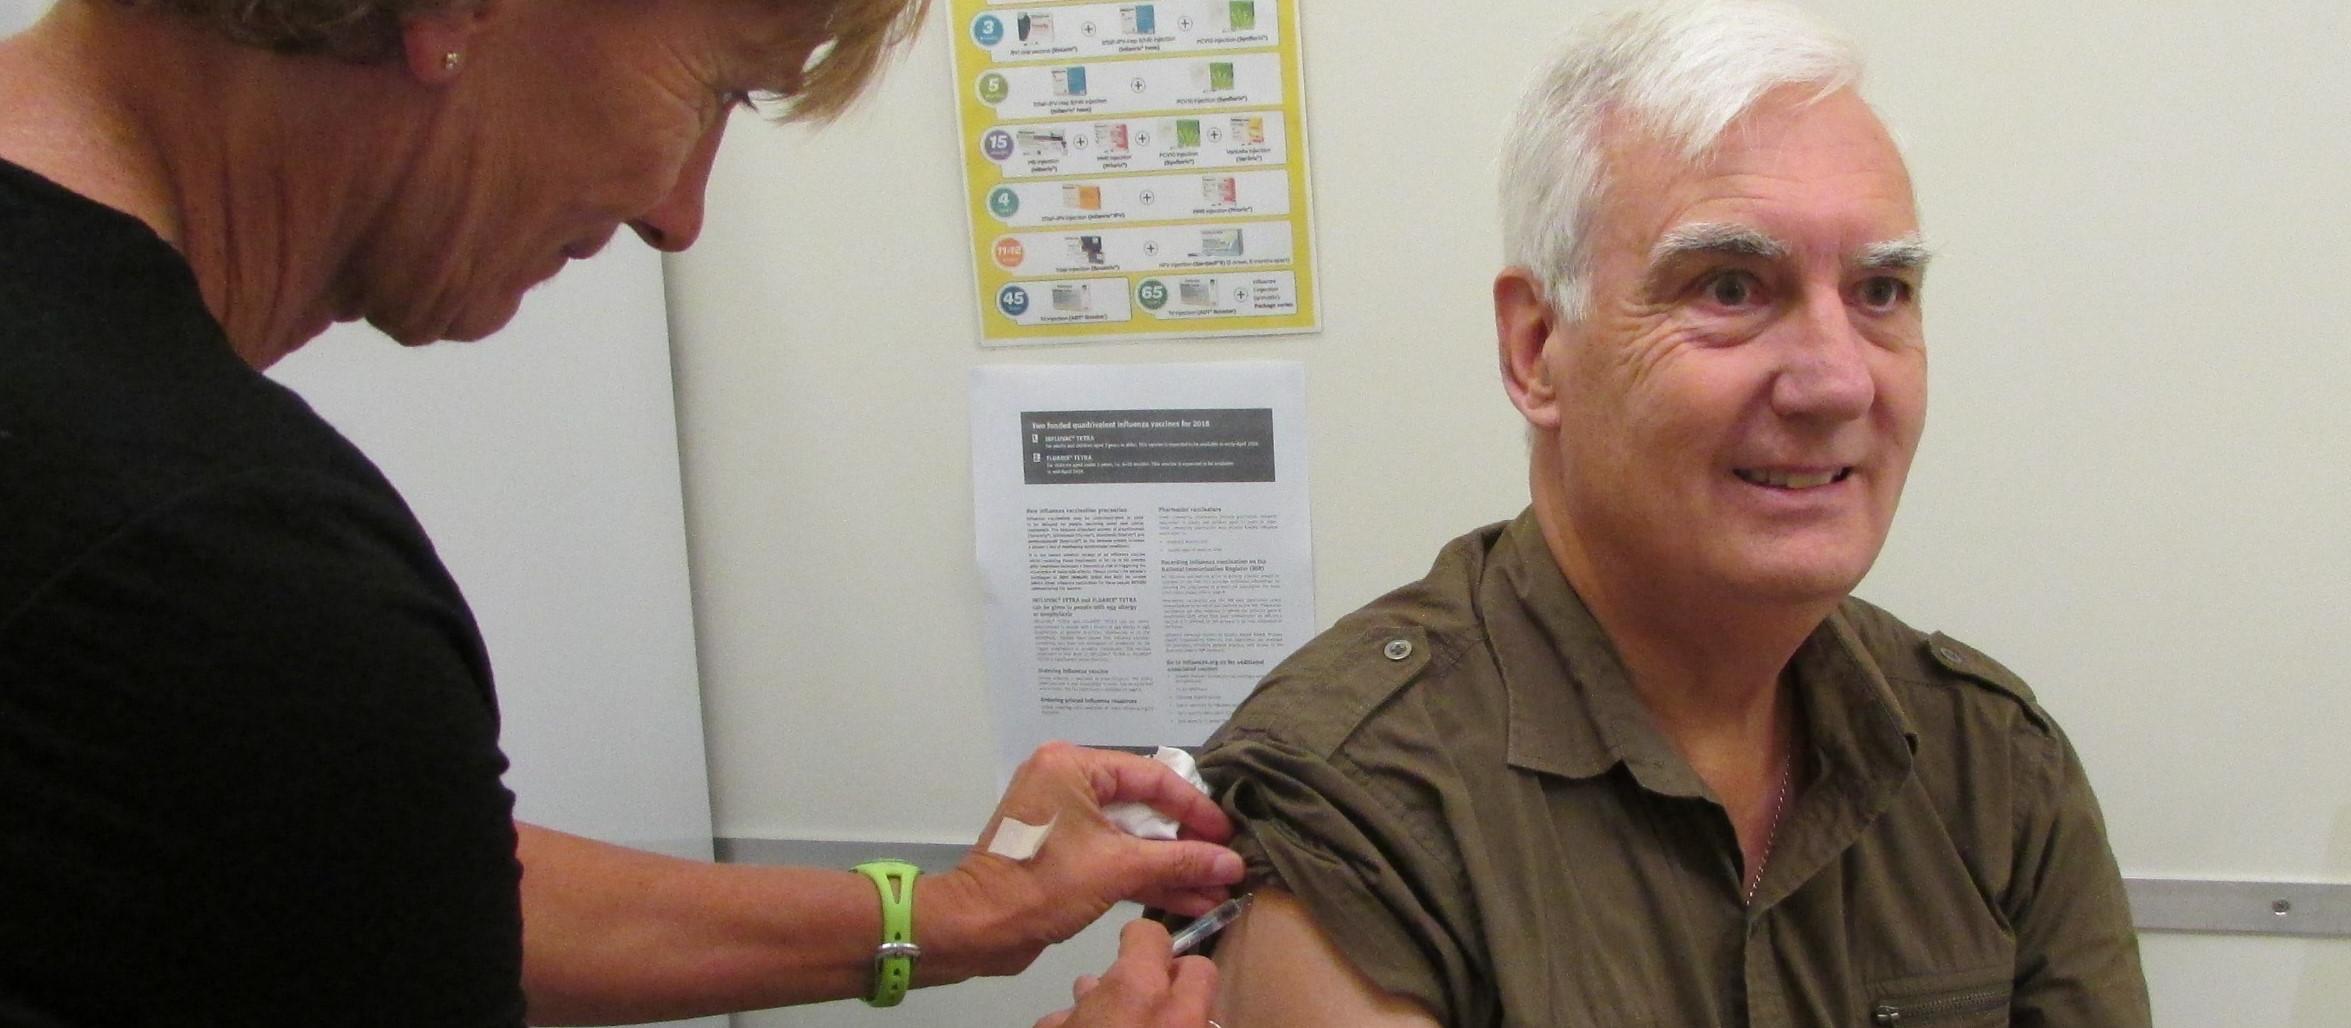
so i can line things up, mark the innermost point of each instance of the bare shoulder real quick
(1275, 966)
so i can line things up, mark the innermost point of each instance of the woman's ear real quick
(1525, 325)
(436, 45)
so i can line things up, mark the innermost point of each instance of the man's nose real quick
(674, 223)
(1825, 372)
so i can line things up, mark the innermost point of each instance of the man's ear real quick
(436, 45)
(1524, 324)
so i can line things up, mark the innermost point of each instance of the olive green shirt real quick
(1462, 787)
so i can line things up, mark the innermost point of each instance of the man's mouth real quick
(1785, 479)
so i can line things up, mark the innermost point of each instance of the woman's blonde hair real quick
(862, 33)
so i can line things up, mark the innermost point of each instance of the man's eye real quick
(1884, 293)
(1732, 289)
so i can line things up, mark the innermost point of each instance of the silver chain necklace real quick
(1771, 834)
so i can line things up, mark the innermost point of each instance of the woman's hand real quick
(1144, 988)
(993, 914)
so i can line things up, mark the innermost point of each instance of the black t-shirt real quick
(249, 771)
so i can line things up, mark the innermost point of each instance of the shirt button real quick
(1397, 649)
(1950, 656)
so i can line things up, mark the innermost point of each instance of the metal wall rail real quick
(2307, 909)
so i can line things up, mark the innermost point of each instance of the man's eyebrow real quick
(1909, 253)
(1706, 238)
(1714, 237)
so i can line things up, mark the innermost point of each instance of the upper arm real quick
(1275, 966)
(1363, 842)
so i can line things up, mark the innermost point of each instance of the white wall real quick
(2133, 487)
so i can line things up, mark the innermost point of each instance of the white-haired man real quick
(1638, 757)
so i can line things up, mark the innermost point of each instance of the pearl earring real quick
(450, 60)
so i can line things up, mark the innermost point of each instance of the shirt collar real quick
(1573, 711)
(1851, 713)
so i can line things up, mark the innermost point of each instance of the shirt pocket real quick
(1963, 999)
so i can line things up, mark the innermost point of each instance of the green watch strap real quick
(893, 960)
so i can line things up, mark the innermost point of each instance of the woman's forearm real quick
(614, 935)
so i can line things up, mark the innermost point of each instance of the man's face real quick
(1738, 410)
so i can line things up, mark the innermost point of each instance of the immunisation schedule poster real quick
(1135, 170)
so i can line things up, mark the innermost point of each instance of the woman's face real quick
(567, 120)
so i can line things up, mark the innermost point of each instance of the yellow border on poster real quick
(983, 175)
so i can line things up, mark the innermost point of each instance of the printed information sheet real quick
(1143, 537)
(1134, 170)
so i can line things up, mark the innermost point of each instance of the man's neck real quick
(203, 140)
(1710, 668)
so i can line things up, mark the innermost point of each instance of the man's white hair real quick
(1677, 73)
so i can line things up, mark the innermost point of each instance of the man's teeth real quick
(1791, 479)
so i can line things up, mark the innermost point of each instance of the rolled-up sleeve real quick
(1377, 881)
